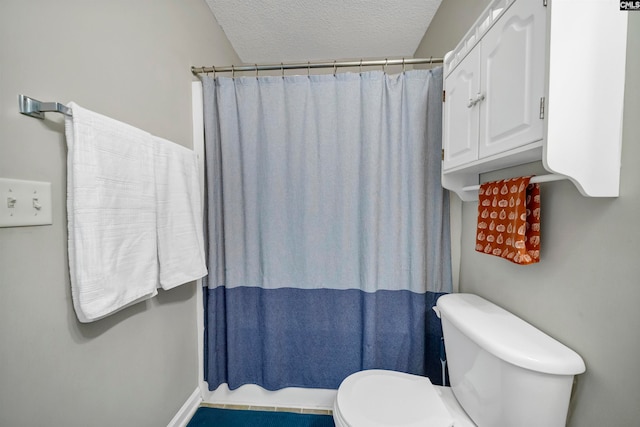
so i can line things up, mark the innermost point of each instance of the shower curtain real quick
(327, 227)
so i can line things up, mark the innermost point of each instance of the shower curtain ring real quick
(256, 65)
(360, 66)
(384, 67)
(403, 69)
(233, 72)
(282, 69)
(309, 69)
(214, 71)
(335, 69)
(431, 61)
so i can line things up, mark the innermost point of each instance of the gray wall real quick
(129, 60)
(586, 288)
(451, 22)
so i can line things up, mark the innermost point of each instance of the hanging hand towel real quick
(509, 220)
(111, 211)
(180, 239)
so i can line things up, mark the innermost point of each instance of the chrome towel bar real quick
(34, 108)
(534, 179)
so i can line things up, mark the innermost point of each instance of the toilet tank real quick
(503, 371)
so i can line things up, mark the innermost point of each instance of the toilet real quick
(503, 373)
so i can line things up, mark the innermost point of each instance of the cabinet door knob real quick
(473, 101)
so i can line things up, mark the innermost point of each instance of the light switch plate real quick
(24, 203)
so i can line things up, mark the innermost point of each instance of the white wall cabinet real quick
(493, 96)
(513, 64)
(523, 81)
(461, 119)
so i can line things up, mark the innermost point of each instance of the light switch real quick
(24, 203)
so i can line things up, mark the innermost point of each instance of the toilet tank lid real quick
(508, 337)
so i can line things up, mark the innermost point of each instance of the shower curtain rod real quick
(309, 65)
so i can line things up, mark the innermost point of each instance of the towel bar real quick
(535, 179)
(34, 108)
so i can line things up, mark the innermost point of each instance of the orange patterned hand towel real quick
(509, 220)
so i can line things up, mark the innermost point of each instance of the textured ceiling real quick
(273, 31)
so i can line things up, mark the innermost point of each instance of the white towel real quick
(111, 208)
(180, 239)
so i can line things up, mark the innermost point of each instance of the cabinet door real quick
(460, 126)
(513, 69)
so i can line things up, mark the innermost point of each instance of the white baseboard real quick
(251, 394)
(185, 413)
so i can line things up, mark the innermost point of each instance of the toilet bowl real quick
(504, 372)
(377, 398)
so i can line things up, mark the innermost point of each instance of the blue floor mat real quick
(218, 417)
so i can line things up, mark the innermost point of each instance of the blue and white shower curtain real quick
(327, 227)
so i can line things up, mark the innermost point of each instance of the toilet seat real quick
(380, 398)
